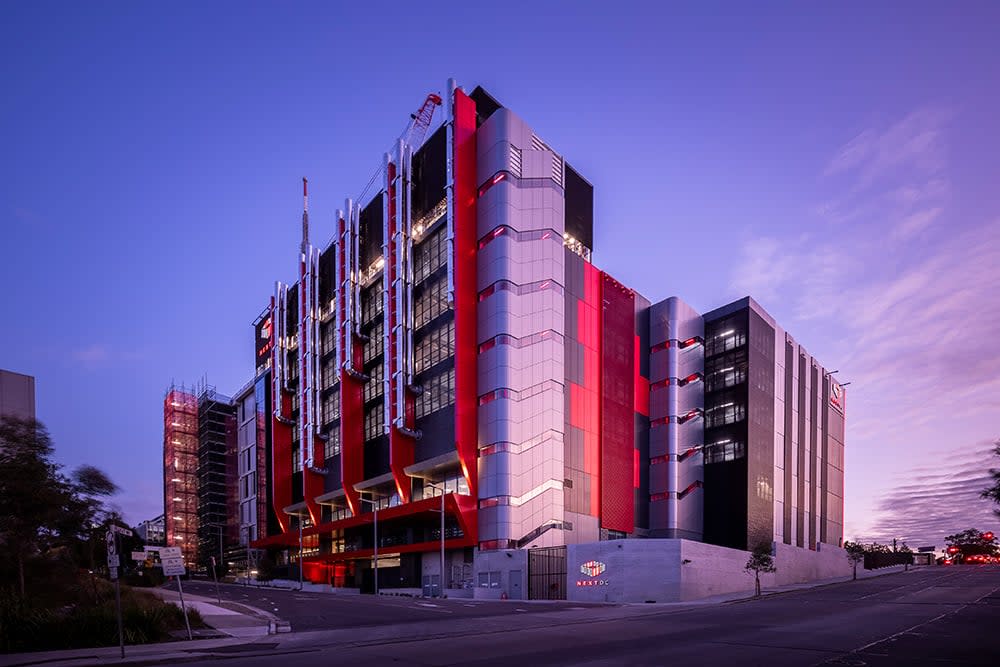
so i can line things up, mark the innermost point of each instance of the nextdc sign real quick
(592, 569)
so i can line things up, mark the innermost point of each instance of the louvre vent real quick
(515, 160)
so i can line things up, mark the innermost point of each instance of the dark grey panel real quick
(760, 434)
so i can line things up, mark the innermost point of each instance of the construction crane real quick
(413, 135)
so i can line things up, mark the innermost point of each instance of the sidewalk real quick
(231, 618)
(242, 624)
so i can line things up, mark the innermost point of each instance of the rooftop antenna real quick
(305, 213)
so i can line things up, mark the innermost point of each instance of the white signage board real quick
(173, 566)
(113, 560)
(169, 552)
(138, 555)
(120, 530)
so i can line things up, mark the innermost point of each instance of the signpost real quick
(215, 576)
(114, 562)
(173, 566)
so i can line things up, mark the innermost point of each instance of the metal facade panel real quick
(617, 407)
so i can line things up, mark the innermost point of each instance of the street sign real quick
(114, 573)
(139, 555)
(114, 561)
(170, 552)
(120, 530)
(172, 567)
(924, 550)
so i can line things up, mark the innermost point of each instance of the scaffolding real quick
(180, 471)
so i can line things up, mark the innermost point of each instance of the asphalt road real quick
(934, 616)
(323, 611)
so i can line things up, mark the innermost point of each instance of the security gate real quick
(547, 573)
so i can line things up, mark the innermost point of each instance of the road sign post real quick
(187, 623)
(215, 576)
(113, 564)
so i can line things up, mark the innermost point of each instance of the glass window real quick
(439, 392)
(434, 347)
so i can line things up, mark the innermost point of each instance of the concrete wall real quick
(674, 570)
(512, 564)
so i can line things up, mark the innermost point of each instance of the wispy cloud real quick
(927, 503)
(913, 308)
(100, 354)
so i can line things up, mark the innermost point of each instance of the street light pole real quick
(375, 553)
(300, 552)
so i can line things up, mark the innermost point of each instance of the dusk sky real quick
(838, 164)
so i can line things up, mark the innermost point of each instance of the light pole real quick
(300, 552)
(440, 488)
(375, 554)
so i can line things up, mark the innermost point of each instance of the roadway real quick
(928, 616)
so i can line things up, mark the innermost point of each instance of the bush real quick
(91, 621)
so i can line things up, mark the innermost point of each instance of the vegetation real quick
(972, 542)
(52, 542)
(993, 492)
(760, 560)
(855, 554)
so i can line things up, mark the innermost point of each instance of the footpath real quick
(233, 627)
(254, 632)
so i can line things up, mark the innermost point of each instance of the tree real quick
(760, 561)
(972, 542)
(855, 554)
(993, 492)
(42, 512)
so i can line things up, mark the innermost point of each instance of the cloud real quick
(927, 503)
(100, 354)
(907, 312)
(93, 354)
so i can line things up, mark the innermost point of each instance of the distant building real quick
(152, 531)
(200, 496)
(17, 395)
(180, 472)
(218, 528)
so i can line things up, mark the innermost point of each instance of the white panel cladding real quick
(522, 385)
(677, 508)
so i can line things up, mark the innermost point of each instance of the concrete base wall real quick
(675, 570)
(512, 567)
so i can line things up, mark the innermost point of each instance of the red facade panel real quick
(617, 406)
(466, 301)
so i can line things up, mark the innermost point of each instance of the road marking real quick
(428, 604)
(520, 610)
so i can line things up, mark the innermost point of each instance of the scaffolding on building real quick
(180, 471)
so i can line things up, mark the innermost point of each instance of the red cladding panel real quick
(466, 302)
(617, 406)
(281, 463)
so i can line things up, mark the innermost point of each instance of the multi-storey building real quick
(152, 531)
(217, 475)
(180, 471)
(17, 395)
(454, 348)
(200, 494)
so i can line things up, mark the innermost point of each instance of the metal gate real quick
(547, 573)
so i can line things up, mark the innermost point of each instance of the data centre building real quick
(453, 368)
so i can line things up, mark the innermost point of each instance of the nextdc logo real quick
(592, 568)
(836, 395)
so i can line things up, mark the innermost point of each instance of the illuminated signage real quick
(836, 395)
(592, 568)
(264, 339)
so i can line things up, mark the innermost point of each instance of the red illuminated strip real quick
(519, 290)
(527, 392)
(691, 487)
(493, 180)
(518, 343)
(527, 235)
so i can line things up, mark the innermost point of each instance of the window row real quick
(435, 347)
(723, 378)
(431, 302)
(373, 387)
(429, 255)
(330, 409)
(332, 446)
(727, 413)
(439, 392)
(729, 339)
(724, 450)
(373, 347)
(371, 302)
(374, 422)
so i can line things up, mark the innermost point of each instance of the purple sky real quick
(840, 166)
